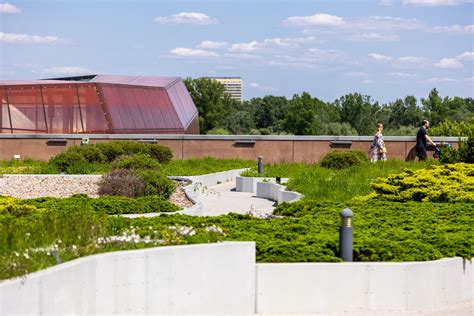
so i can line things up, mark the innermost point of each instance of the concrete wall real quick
(224, 279)
(215, 278)
(273, 148)
(362, 287)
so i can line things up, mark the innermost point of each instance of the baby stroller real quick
(438, 153)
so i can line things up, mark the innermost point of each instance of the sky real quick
(383, 48)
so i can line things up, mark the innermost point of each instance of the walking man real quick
(422, 139)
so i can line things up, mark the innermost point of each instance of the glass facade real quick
(72, 107)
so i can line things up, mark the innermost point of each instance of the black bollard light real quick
(260, 165)
(345, 235)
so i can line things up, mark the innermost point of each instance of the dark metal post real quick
(260, 164)
(345, 235)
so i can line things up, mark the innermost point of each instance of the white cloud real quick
(377, 37)
(195, 18)
(379, 57)
(449, 63)
(318, 19)
(384, 23)
(212, 45)
(455, 29)
(27, 39)
(271, 42)
(9, 8)
(401, 74)
(190, 52)
(413, 60)
(258, 86)
(440, 80)
(67, 71)
(245, 47)
(433, 3)
(466, 56)
(356, 24)
(288, 42)
(367, 81)
(469, 79)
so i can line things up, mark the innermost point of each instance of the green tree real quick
(240, 122)
(404, 113)
(360, 111)
(212, 103)
(301, 117)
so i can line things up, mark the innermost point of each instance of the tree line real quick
(303, 114)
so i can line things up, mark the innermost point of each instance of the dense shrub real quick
(444, 183)
(339, 159)
(155, 182)
(161, 153)
(74, 158)
(466, 149)
(122, 182)
(66, 159)
(111, 150)
(453, 129)
(135, 161)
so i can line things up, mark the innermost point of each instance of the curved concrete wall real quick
(213, 278)
(273, 148)
(224, 279)
(267, 188)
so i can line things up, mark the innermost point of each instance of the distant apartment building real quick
(232, 85)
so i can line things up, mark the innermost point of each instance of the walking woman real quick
(378, 149)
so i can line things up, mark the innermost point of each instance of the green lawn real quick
(322, 184)
(194, 167)
(190, 167)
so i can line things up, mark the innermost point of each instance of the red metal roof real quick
(30, 82)
(98, 104)
(147, 81)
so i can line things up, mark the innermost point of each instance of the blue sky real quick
(386, 49)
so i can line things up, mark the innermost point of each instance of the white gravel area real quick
(26, 186)
(34, 186)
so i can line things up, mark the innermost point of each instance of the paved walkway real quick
(221, 199)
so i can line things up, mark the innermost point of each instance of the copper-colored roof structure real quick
(98, 104)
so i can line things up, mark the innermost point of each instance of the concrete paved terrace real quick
(222, 199)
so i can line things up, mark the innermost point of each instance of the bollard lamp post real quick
(260, 165)
(345, 235)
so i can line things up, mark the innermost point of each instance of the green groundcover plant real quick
(444, 183)
(34, 233)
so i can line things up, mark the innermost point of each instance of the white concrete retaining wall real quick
(214, 178)
(363, 287)
(276, 192)
(213, 278)
(288, 196)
